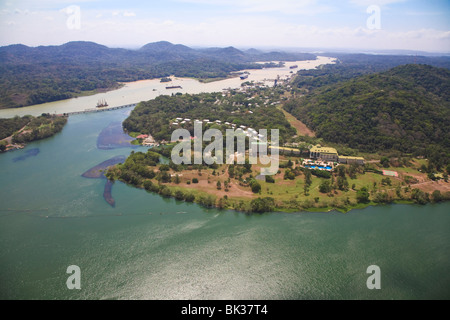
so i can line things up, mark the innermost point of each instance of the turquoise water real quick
(147, 247)
(318, 167)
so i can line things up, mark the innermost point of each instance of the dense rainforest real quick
(33, 75)
(29, 128)
(156, 116)
(349, 66)
(406, 108)
(9, 126)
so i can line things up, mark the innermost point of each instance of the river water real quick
(148, 247)
(144, 90)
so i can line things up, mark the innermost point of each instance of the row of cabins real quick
(249, 132)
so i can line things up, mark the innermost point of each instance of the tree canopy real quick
(406, 108)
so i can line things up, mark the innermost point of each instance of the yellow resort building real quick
(350, 160)
(323, 153)
(331, 154)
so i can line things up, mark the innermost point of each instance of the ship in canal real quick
(102, 103)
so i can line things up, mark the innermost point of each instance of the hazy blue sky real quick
(404, 24)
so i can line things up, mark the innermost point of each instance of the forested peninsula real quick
(17, 131)
(365, 123)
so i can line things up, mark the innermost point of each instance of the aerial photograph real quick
(236, 152)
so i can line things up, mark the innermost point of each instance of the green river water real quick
(148, 247)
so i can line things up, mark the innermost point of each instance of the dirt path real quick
(234, 189)
(9, 139)
(430, 186)
(301, 128)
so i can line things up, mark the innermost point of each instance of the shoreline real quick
(14, 145)
(148, 89)
(240, 198)
(359, 206)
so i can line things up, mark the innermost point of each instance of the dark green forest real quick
(43, 74)
(9, 126)
(349, 66)
(35, 128)
(406, 108)
(155, 116)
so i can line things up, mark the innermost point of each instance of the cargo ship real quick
(174, 87)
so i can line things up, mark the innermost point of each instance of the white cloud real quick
(366, 3)
(129, 14)
(125, 13)
(422, 13)
(110, 27)
(307, 7)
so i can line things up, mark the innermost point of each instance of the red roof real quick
(142, 136)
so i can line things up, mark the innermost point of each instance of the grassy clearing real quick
(290, 195)
(301, 128)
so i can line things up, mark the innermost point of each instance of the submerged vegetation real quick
(397, 119)
(416, 174)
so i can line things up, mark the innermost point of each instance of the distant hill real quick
(253, 51)
(350, 65)
(32, 75)
(166, 51)
(84, 52)
(406, 108)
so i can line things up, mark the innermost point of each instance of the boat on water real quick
(174, 87)
(102, 103)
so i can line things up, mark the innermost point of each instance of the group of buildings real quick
(317, 152)
(249, 132)
(331, 154)
(326, 154)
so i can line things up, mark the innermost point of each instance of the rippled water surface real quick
(147, 247)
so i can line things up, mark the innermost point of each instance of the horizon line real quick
(316, 50)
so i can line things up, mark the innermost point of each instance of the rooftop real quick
(320, 149)
(351, 158)
(284, 148)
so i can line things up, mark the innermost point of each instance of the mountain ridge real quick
(33, 75)
(160, 51)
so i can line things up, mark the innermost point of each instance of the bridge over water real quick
(101, 109)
